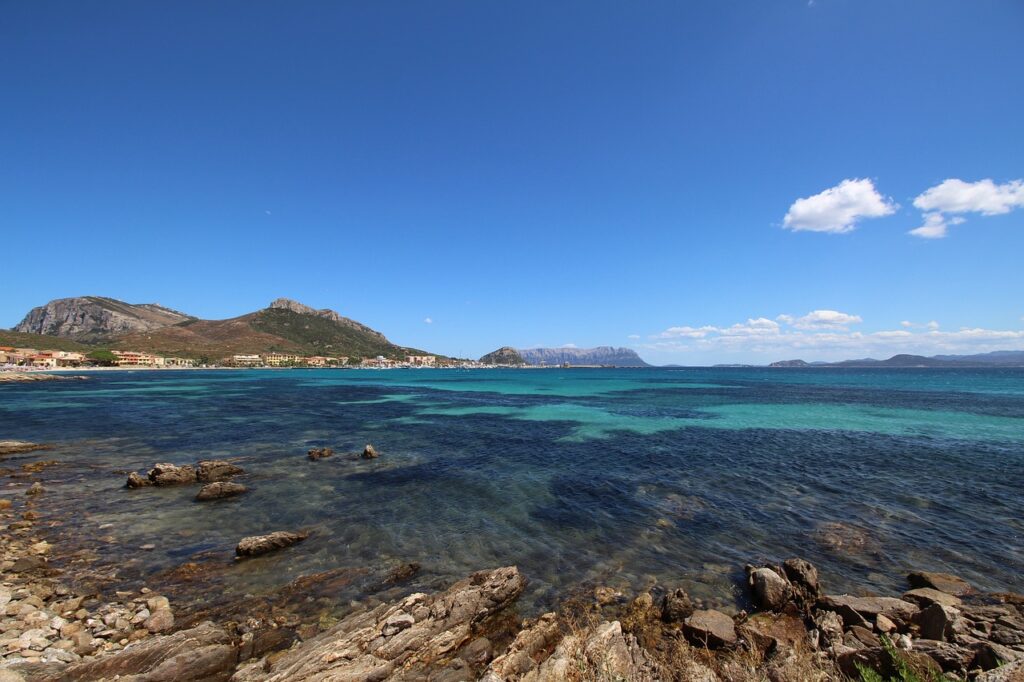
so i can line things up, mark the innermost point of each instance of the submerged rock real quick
(137, 481)
(319, 453)
(369, 452)
(13, 447)
(172, 474)
(262, 544)
(219, 490)
(35, 489)
(210, 470)
(943, 582)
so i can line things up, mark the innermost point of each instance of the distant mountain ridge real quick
(285, 326)
(601, 355)
(1000, 358)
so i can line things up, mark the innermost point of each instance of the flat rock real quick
(710, 628)
(943, 582)
(262, 544)
(219, 490)
(896, 610)
(205, 652)
(210, 470)
(926, 596)
(356, 650)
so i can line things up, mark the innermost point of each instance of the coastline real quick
(65, 619)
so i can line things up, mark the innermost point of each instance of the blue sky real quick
(530, 173)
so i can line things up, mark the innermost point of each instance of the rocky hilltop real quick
(95, 318)
(506, 355)
(602, 355)
(326, 313)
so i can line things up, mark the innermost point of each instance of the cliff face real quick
(602, 355)
(326, 313)
(92, 318)
(505, 355)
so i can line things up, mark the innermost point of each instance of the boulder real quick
(803, 576)
(205, 652)
(926, 596)
(137, 481)
(676, 606)
(936, 622)
(950, 657)
(771, 591)
(710, 628)
(172, 474)
(319, 453)
(210, 470)
(262, 544)
(160, 620)
(220, 489)
(369, 452)
(357, 648)
(943, 582)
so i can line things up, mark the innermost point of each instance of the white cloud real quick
(785, 319)
(839, 208)
(907, 323)
(932, 325)
(633, 336)
(428, 320)
(826, 319)
(941, 203)
(568, 345)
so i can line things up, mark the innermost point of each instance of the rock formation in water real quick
(602, 355)
(505, 355)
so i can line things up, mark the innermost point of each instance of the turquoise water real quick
(620, 477)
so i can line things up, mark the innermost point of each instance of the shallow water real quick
(621, 477)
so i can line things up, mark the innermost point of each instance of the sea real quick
(630, 478)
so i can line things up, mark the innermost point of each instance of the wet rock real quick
(369, 452)
(261, 544)
(943, 582)
(14, 447)
(803, 577)
(319, 453)
(355, 650)
(676, 606)
(35, 489)
(710, 628)
(5, 504)
(926, 596)
(171, 474)
(219, 490)
(211, 470)
(771, 591)
(137, 481)
(205, 652)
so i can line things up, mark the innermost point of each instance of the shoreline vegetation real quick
(64, 616)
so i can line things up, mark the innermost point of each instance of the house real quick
(44, 361)
(179, 362)
(130, 358)
(316, 361)
(421, 360)
(245, 361)
(280, 359)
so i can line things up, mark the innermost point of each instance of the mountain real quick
(285, 326)
(506, 355)
(602, 355)
(1000, 358)
(789, 363)
(96, 318)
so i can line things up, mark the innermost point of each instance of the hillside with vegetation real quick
(40, 341)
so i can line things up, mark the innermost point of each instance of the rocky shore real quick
(54, 626)
(16, 376)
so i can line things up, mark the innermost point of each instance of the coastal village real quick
(12, 358)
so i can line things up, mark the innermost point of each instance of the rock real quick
(804, 576)
(710, 628)
(676, 606)
(369, 452)
(1012, 672)
(210, 470)
(950, 657)
(27, 564)
(5, 504)
(35, 489)
(936, 622)
(137, 481)
(396, 623)
(943, 582)
(771, 591)
(219, 490)
(830, 625)
(868, 608)
(879, 660)
(319, 453)
(774, 634)
(8, 675)
(162, 620)
(205, 652)
(84, 643)
(926, 596)
(14, 447)
(883, 624)
(171, 474)
(528, 647)
(261, 544)
(355, 650)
